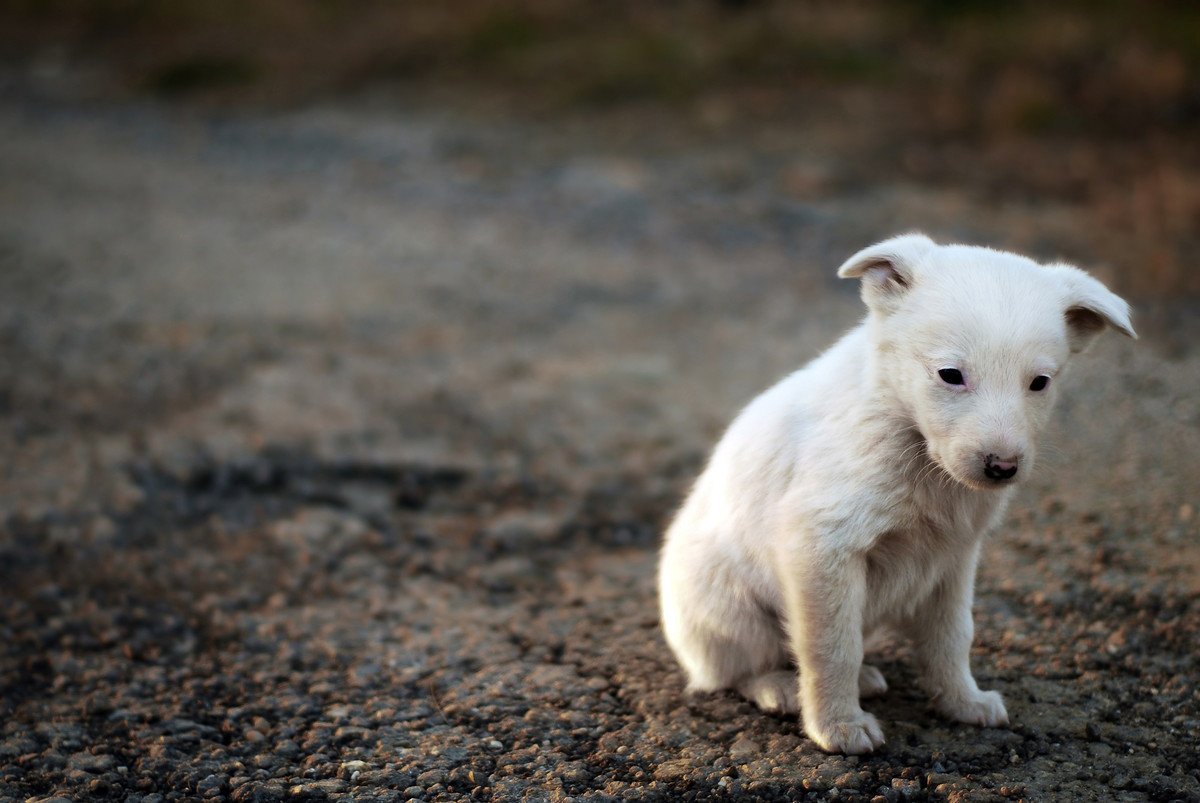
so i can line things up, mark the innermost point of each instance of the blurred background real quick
(1092, 105)
(353, 355)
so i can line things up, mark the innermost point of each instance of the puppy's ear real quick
(1089, 307)
(887, 269)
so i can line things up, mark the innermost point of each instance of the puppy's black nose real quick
(996, 469)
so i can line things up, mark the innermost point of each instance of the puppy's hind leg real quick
(870, 682)
(745, 652)
(721, 637)
(778, 690)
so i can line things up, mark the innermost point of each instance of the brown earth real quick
(339, 439)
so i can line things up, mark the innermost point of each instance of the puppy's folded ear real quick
(1089, 307)
(887, 269)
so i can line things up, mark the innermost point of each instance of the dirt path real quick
(338, 442)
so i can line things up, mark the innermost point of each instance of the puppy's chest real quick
(908, 560)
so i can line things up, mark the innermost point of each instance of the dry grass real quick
(1095, 104)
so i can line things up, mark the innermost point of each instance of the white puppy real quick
(853, 496)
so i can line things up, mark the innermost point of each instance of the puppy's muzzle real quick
(999, 470)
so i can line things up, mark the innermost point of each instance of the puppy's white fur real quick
(853, 496)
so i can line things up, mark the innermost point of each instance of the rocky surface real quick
(338, 442)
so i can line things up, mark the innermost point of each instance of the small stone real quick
(90, 763)
(287, 748)
(495, 744)
(413, 792)
(431, 777)
(51, 759)
(743, 749)
(329, 786)
(674, 770)
(576, 772)
(253, 736)
(908, 789)
(211, 786)
(350, 733)
(849, 780)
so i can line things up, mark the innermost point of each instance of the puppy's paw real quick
(870, 682)
(985, 708)
(774, 691)
(855, 736)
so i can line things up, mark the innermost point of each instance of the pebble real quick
(575, 772)
(211, 786)
(743, 749)
(431, 777)
(328, 786)
(288, 749)
(673, 770)
(91, 763)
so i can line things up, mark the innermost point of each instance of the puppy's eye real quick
(952, 376)
(1039, 383)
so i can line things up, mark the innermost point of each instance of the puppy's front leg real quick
(942, 632)
(826, 597)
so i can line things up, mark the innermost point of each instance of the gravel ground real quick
(339, 440)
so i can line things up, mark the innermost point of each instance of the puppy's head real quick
(971, 342)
